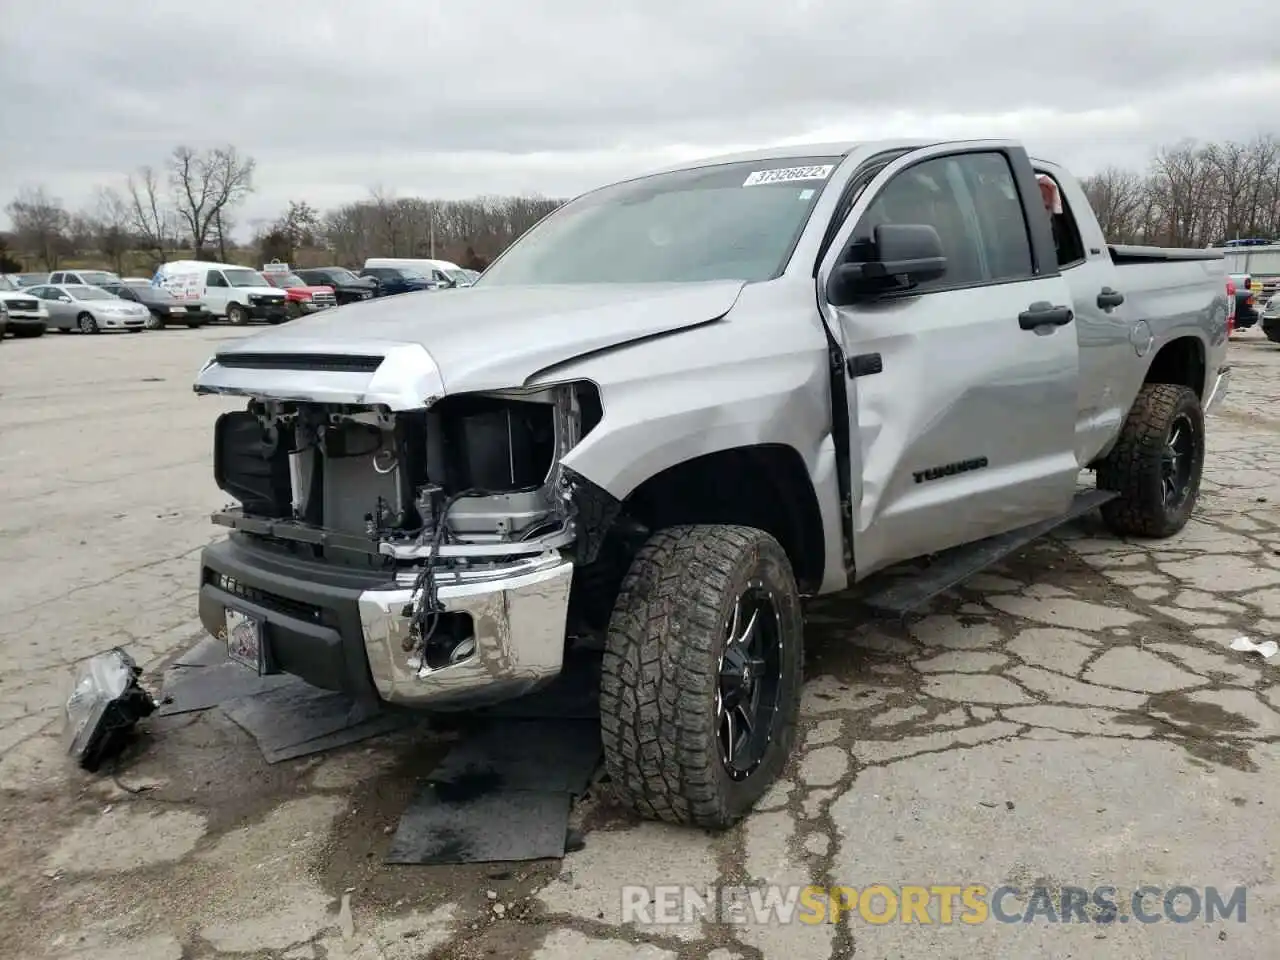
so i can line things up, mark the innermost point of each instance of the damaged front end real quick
(457, 506)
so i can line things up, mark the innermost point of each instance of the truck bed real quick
(1123, 254)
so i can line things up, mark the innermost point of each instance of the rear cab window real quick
(1067, 239)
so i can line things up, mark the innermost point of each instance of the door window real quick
(56, 278)
(972, 201)
(216, 279)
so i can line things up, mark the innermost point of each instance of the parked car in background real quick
(91, 278)
(300, 297)
(443, 272)
(1246, 301)
(76, 306)
(225, 290)
(4, 321)
(1260, 260)
(395, 280)
(25, 315)
(165, 308)
(28, 279)
(1271, 319)
(346, 286)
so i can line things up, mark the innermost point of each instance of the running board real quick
(906, 593)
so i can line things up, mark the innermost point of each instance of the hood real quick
(267, 291)
(309, 290)
(483, 338)
(7, 295)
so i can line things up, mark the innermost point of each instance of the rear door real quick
(962, 391)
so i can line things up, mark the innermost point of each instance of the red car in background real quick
(300, 298)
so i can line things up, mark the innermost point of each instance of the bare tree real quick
(154, 222)
(1118, 198)
(112, 220)
(40, 225)
(206, 186)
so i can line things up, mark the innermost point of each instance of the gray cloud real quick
(562, 95)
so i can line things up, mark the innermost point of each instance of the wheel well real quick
(765, 486)
(1180, 361)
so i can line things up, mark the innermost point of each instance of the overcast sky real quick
(557, 96)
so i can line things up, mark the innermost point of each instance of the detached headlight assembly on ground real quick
(105, 703)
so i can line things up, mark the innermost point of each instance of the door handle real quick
(1045, 314)
(1109, 298)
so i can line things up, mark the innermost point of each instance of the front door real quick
(217, 292)
(62, 316)
(962, 403)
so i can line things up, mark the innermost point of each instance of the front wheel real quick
(293, 310)
(1156, 464)
(237, 315)
(703, 664)
(33, 331)
(86, 323)
(154, 322)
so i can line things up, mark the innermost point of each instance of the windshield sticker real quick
(788, 175)
(806, 194)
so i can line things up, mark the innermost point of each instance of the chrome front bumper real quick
(1219, 389)
(518, 613)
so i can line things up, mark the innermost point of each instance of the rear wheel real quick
(700, 691)
(1156, 464)
(237, 315)
(86, 323)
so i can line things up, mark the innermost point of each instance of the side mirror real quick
(898, 256)
(65, 299)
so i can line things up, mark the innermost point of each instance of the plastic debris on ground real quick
(1266, 649)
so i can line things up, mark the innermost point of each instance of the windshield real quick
(458, 276)
(341, 276)
(89, 293)
(7, 284)
(241, 277)
(285, 280)
(98, 277)
(733, 221)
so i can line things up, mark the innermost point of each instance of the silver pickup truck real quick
(678, 406)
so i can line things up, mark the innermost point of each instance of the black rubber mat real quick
(200, 687)
(556, 756)
(298, 720)
(468, 822)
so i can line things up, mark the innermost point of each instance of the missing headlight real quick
(106, 702)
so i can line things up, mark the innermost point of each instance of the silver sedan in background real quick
(74, 306)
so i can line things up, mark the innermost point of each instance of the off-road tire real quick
(237, 315)
(661, 673)
(1133, 467)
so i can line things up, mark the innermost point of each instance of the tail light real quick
(1231, 306)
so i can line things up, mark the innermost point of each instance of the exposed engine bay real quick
(472, 483)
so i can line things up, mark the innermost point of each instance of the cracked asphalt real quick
(1073, 717)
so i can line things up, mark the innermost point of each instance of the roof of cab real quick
(788, 151)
